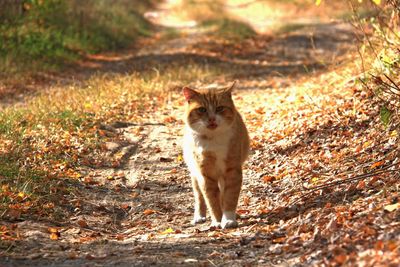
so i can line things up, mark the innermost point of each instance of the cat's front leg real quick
(200, 207)
(232, 186)
(209, 188)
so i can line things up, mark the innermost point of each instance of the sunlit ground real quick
(262, 16)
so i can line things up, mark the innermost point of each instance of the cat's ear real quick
(230, 88)
(189, 93)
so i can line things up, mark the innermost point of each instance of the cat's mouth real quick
(212, 126)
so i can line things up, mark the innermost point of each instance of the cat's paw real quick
(229, 220)
(198, 219)
(229, 224)
(215, 225)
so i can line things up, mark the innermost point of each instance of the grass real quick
(46, 143)
(230, 29)
(212, 16)
(46, 35)
(380, 59)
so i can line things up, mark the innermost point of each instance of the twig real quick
(395, 86)
(351, 179)
(210, 261)
(365, 33)
(389, 86)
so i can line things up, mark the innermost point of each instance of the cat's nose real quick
(211, 119)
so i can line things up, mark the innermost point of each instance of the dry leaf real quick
(54, 236)
(268, 178)
(392, 207)
(360, 185)
(125, 206)
(82, 223)
(179, 158)
(148, 212)
(340, 259)
(54, 233)
(167, 231)
(377, 164)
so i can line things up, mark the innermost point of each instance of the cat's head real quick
(209, 110)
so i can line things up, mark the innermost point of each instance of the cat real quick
(215, 146)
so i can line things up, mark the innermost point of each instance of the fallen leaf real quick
(120, 237)
(379, 245)
(125, 206)
(360, 185)
(148, 212)
(54, 236)
(377, 164)
(340, 259)
(170, 119)
(179, 158)
(52, 230)
(392, 207)
(167, 231)
(367, 144)
(268, 178)
(260, 110)
(54, 233)
(243, 212)
(392, 245)
(82, 223)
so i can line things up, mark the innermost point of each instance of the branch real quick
(351, 179)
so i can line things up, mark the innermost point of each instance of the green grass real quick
(52, 33)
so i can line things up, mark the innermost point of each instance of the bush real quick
(382, 58)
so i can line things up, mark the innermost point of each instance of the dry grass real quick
(45, 143)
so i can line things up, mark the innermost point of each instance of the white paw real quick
(198, 219)
(215, 225)
(229, 220)
(229, 224)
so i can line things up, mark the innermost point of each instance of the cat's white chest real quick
(217, 145)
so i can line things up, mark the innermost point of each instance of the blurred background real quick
(50, 33)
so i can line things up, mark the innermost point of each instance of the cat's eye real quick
(202, 110)
(219, 109)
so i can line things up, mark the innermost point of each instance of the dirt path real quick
(295, 101)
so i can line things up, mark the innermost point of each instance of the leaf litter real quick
(321, 185)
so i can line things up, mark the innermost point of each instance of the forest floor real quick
(310, 125)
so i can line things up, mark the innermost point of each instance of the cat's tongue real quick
(212, 126)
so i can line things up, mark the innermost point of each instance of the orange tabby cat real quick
(215, 145)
